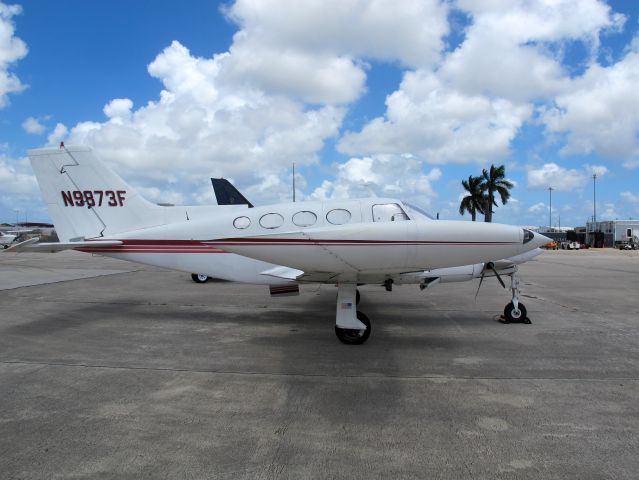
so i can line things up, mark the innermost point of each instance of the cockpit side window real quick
(388, 212)
(528, 236)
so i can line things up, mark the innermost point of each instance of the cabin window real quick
(271, 220)
(338, 216)
(242, 222)
(388, 212)
(304, 219)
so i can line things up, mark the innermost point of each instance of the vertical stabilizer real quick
(85, 198)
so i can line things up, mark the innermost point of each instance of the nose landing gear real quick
(515, 311)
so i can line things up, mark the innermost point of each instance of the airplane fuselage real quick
(357, 240)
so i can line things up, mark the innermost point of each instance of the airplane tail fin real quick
(85, 198)
(227, 194)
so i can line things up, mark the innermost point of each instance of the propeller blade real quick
(481, 279)
(491, 265)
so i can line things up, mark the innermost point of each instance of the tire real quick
(354, 337)
(511, 316)
(199, 278)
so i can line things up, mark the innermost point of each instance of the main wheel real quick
(199, 278)
(352, 336)
(512, 315)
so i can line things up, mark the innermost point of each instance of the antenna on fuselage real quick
(293, 181)
(369, 188)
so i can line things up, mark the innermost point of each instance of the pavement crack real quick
(315, 375)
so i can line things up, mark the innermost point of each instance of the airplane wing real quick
(285, 273)
(31, 245)
(518, 259)
(293, 274)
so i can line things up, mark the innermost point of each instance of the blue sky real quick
(408, 101)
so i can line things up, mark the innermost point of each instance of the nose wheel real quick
(515, 311)
(516, 315)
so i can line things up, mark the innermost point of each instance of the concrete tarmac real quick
(116, 370)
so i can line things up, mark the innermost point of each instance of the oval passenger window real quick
(271, 220)
(304, 219)
(242, 222)
(339, 216)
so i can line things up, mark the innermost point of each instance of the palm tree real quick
(473, 202)
(494, 181)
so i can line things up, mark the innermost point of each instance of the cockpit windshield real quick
(388, 212)
(417, 213)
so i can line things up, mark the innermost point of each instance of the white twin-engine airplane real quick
(343, 242)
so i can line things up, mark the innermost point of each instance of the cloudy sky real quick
(403, 99)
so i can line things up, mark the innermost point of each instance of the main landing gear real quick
(515, 311)
(199, 278)
(351, 327)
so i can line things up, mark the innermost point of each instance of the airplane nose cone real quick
(534, 240)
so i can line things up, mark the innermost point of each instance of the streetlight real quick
(550, 189)
(594, 197)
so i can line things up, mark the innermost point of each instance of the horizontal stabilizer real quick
(285, 273)
(53, 247)
(17, 247)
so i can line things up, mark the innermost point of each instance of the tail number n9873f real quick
(93, 198)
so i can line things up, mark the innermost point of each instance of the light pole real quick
(550, 189)
(594, 197)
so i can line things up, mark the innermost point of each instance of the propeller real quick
(489, 266)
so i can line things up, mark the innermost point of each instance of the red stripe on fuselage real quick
(346, 243)
(209, 246)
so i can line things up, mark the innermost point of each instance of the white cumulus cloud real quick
(16, 176)
(315, 50)
(410, 31)
(398, 176)
(118, 108)
(506, 49)
(12, 49)
(471, 105)
(630, 197)
(440, 124)
(537, 207)
(58, 134)
(600, 113)
(32, 125)
(560, 178)
(204, 126)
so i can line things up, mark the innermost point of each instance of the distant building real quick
(608, 233)
(558, 234)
